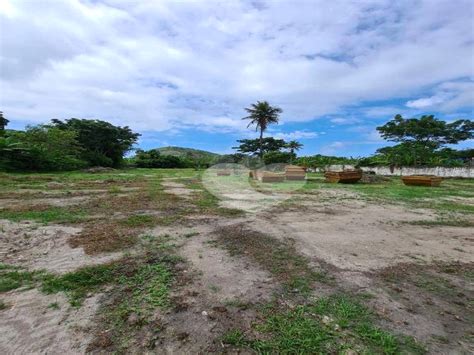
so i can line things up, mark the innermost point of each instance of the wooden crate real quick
(267, 176)
(422, 180)
(294, 172)
(344, 177)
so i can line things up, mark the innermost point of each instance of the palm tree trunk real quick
(261, 143)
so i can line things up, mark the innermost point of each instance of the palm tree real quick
(294, 145)
(262, 114)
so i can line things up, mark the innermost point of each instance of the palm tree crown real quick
(294, 145)
(262, 114)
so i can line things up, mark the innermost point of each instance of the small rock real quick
(204, 313)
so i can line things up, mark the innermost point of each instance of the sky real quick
(182, 72)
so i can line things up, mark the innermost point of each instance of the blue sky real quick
(181, 72)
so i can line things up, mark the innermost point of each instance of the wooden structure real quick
(268, 176)
(422, 180)
(294, 172)
(345, 177)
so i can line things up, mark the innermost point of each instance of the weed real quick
(332, 324)
(54, 305)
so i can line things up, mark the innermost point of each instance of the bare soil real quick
(418, 277)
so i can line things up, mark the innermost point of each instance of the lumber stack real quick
(294, 172)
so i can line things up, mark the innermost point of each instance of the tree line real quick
(80, 143)
(64, 145)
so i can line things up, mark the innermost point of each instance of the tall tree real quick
(3, 123)
(294, 145)
(103, 143)
(426, 134)
(262, 114)
(257, 146)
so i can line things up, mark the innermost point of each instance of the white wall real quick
(464, 172)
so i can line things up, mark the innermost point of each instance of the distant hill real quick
(183, 152)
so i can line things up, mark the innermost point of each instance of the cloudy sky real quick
(181, 72)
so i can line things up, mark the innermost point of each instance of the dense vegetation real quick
(64, 145)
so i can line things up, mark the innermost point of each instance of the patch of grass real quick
(54, 305)
(42, 215)
(280, 259)
(332, 324)
(77, 284)
(443, 221)
(12, 277)
(138, 293)
(139, 220)
(3, 305)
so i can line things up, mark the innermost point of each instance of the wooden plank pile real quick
(294, 172)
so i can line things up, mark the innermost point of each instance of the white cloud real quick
(162, 65)
(288, 136)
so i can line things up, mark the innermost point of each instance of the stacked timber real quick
(294, 172)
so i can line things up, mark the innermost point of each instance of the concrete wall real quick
(464, 172)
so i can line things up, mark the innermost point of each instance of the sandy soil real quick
(39, 247)
(30, 326)
(356, 235)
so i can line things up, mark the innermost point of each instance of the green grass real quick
(77, 284)
(140, 220)
(53, 214)
(12, 277)
(332, 324)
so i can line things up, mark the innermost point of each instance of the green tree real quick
(257, 146)
(278, 157)
(294, 146)
(3, 123)
(423, 136)
(262, 114)
(103, 143)
(154, 159)
(44, 148)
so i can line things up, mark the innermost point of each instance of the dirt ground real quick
(415, 274)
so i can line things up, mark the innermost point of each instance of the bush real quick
(153, 159)
(278, 157)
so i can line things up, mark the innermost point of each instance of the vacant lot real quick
(149, 261)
